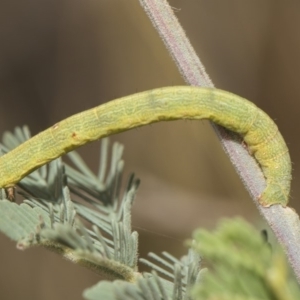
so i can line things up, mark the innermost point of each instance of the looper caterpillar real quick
(233, 112)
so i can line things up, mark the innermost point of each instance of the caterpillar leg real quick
(10, 193)
(273, 194)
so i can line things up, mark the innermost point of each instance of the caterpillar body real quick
(226, 109)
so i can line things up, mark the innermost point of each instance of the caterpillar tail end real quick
(274, 194)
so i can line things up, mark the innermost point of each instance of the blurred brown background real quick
(61, 57)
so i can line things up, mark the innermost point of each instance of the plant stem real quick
(283, 221)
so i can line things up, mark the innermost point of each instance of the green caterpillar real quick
(233, 112)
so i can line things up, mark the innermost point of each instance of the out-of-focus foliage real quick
(242, 265)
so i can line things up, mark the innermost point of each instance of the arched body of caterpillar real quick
(233, 112)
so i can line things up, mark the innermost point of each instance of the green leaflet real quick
(233, 112)
(242, 265)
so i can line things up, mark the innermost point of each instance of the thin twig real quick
(283, 221)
